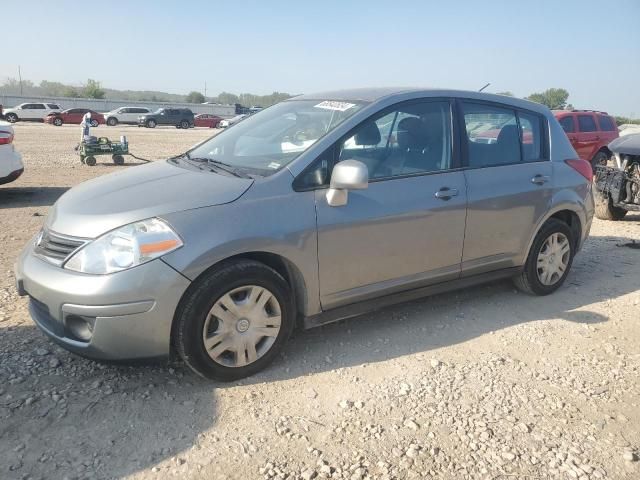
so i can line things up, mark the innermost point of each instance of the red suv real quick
(589, 132)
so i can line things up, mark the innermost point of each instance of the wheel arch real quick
(283, 266)
(567, 213)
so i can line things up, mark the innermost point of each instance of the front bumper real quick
(128, 314)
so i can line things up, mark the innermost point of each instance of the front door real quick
(509, 185)
(406, 229)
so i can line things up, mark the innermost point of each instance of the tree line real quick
(94, 89)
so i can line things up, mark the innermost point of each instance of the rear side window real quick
(53, 106)
(567, 124)
(606, 124)
(586, 123)
(39, 106)
(492, 135)
(531, 127)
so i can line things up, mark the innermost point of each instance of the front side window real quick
(492, 135)
(267, 141)
(39, 106)
(567, 124)
(411, 139)
(606, 124)
(586, 123)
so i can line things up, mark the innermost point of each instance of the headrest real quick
(368, 134)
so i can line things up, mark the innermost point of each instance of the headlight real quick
(125, 247)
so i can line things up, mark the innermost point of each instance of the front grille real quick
(56, 248)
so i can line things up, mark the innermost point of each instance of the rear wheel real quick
(57, 122)
(112, 121)
(94, 123)
(234, 321)
(604, 209)
(549, 259)
(91, 161)
(151, 123)
(184, 124)
(11, 117)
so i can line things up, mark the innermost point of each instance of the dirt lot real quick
(485, 383)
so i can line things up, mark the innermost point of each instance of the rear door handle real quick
(445, 193)
(540, 179)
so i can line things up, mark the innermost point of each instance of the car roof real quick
(375, 94)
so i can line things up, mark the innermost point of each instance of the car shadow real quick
(138, 416)
(20, 197)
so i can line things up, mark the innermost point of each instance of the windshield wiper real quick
(221, 165)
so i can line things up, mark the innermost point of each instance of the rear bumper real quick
(12, 176)
(11, 166)
(121, 316)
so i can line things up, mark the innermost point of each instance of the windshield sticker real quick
(339, 106)
(274, 165)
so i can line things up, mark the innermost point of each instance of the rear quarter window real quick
(606, 123)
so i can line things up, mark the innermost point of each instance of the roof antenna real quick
(484, 87)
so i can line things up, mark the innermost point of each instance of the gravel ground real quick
(485, 383)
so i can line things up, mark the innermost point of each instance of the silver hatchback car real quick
(319, 208)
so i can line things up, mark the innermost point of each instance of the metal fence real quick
(106, 105)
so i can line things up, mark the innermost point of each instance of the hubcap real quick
(553, 258)
(242, 326)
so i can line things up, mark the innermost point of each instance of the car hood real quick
(104, 203)
(626, 145)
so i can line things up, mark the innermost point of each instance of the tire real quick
(599, 159)
(604, 209)
(112, 121)
(193, 316)
(151, 124)
(529, 281)
(57, 122)
(184, 124)
(91, 161)
(94, 123)
(11, 117)
(118, 159)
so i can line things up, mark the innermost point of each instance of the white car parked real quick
(11, 166)
(125, 115)
(30, 111)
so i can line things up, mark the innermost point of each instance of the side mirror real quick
(347, 175)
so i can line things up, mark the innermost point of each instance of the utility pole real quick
(20, 79)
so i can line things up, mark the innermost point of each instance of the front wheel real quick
(234, 320)
(11, 117)
(91, 161)
(57, 122)
(549, 259)
(118, 159)
(604, 209)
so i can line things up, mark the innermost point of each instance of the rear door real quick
(406, 229)
(588, 136)
(75, 115)
(568, 124)
(509, 184)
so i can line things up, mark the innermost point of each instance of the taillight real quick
(6, 137)
(582, 167)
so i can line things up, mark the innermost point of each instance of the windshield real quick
(265, 142)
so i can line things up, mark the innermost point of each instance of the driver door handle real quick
(445, 193)
(540, 179)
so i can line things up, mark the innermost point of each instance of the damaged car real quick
(617, 187)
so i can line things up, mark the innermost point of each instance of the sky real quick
(591, 48)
